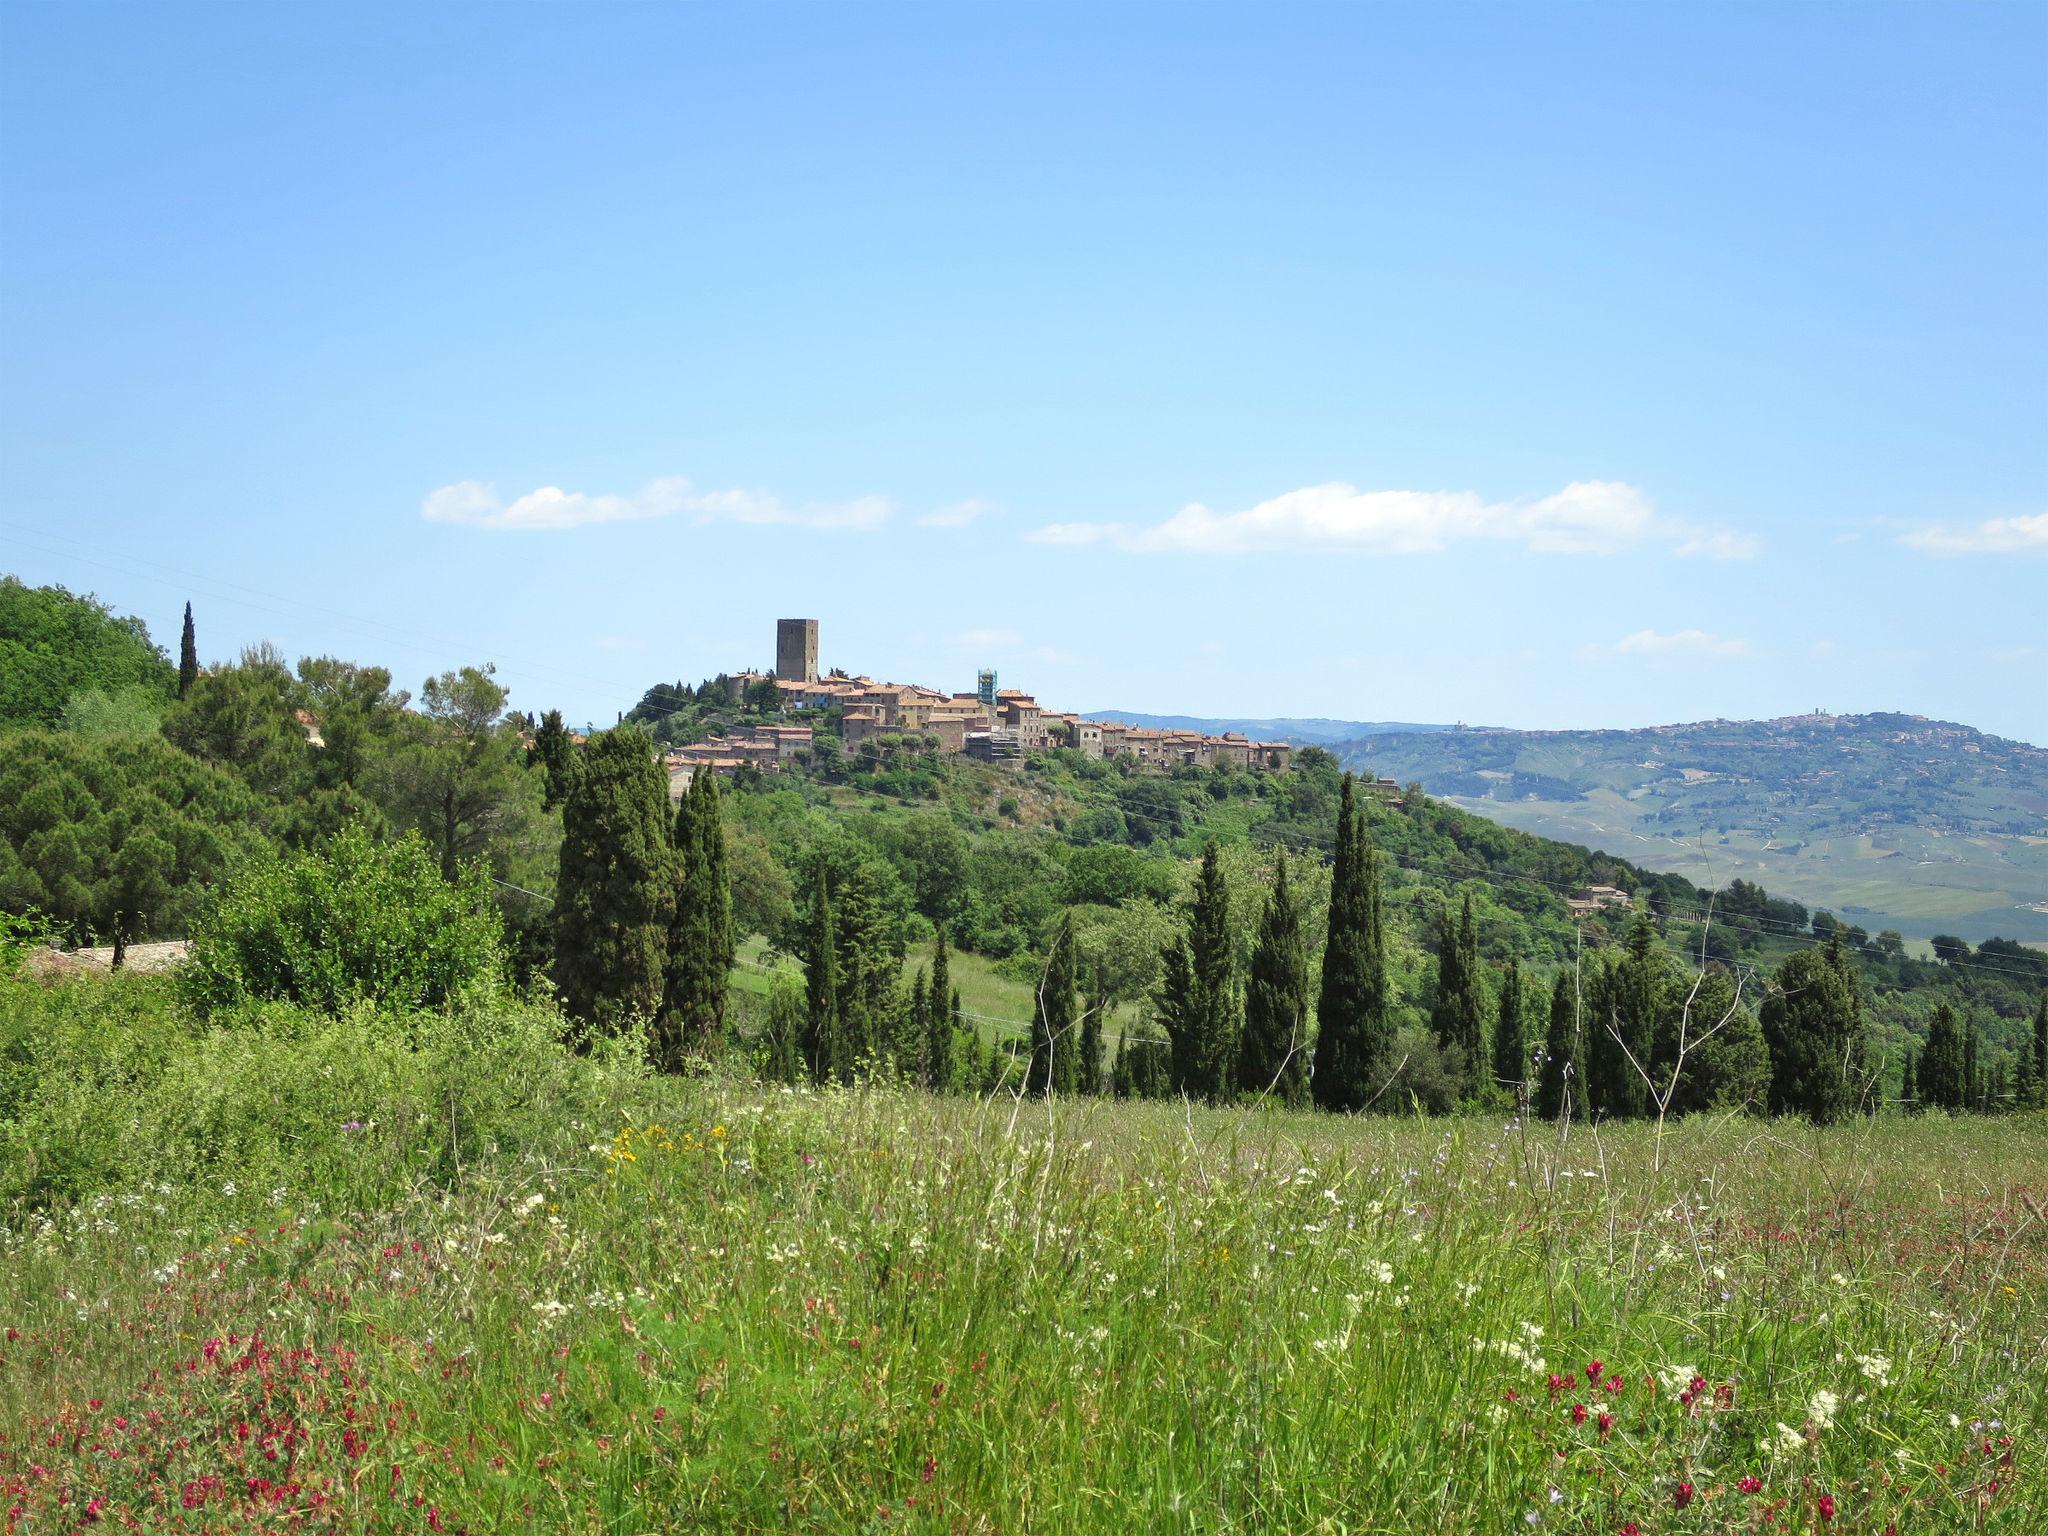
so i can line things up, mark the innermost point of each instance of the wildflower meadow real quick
(308, 1275)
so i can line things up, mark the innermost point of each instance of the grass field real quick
(641, 1305)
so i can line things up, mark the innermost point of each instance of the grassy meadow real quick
(298, 1272)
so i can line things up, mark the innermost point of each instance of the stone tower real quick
(796, 650)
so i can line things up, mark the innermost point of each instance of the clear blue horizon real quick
(1580, 366)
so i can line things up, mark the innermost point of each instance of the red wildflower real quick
(1578, 1413)
(1751, 1485)
(1595, 1371)
(1681, 1495)
(1827, 1506)
(1631, 1529)
(931, 1468)
(1606, 1423)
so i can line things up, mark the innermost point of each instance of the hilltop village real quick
(992, 724)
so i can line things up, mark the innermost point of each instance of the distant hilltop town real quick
(992, 724)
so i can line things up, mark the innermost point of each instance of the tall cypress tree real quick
(615, 892)
(1510, 1044)
(824, 1042)
(1973, 1081)
(1558, 1087)
(941, 1006)
(2040, 1099)
(918, 1031)
(1940, 1076)
(1274, 1056)
(188, 656)
(1459, 1015)
(1095, 1003)
(555, 755)
(1198, 1001)
(1055, 1051)
(1813, 1028)
(700, 947)
(1354, 1033)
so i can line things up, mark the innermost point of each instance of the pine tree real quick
(1354, 1033)
(1813, 1027)
(824, 1042)
(1274, 1056)
(941, 1005)
(1940, 1078)
(1055, 1051)
(614, 894)
(1198, 1001)
(188, 656)
(700, 941)
(1510, 1045)
(1558, 1088)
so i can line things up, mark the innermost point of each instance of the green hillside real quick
(1893, 821)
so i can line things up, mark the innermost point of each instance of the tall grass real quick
(637, 1305)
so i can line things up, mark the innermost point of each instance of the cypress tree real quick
(941, 1006)
(1198, 1001)
(614, 894)
(1274, 1056)
(1354, 1034)
(1459, 1015)
(2041, 1052)
(188, 656)
(1510, 1045)
(555, 755)
(1558, 1087)
(1940, 1077)
(1973, 1082)
(824, 1044)
(1055, 1052)
(1813, 1028)
(700, 945)
(1094, 1009)
(1907, 1092)
(918, 1031)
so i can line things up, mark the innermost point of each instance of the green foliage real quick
(354, 922)
(1274, 1055)
(112, 1084)
(188, 655)
(1198, 1001)
(1510, 1040)
(132, 713)
(1055, 1042)
(1459, 1015)
(55, 646)
(458, 774)
(1560, 1086)
(1940, 1077)
(1813, 1025)
(615, 893)
(701, 940)
(555, 755)
(114, 838)
(1354, 1024)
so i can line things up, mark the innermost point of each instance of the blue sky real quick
(1547, 366)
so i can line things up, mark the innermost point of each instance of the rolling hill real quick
(1895, 821)
(1305, 732)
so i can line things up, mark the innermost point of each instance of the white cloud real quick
(990, 638)
(1678, 643)
(955, 515)
(550, 507)
(1993, 536)
(1586, 517)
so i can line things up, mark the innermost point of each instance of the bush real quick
(355, 922)
(110, 1083)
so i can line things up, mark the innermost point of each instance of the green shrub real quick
(355, 922)
(111, 1083)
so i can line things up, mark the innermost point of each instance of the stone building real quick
(796, 650)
